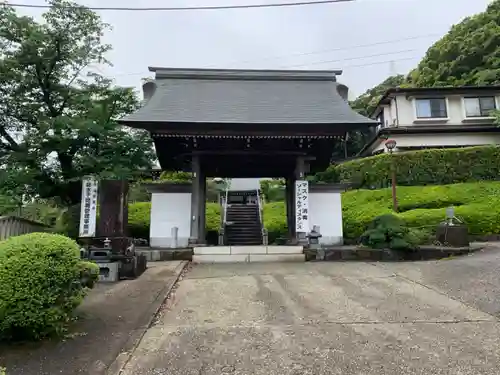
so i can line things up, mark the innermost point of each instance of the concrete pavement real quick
(113, 318)
(329, 318)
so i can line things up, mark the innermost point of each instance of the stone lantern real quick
(313, 241)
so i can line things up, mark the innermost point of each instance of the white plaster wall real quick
(325, 211)
(440, 140)
(169, 210)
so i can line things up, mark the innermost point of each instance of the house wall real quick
(401, 112)
(325, 211)
(456, 112)
(439, 140)
(169, 210)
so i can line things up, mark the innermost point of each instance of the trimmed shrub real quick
(421, 207)
(477, 204)
(275, 220)
(388, 232)
(40, 285)
(419, 168)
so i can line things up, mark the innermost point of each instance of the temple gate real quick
(242, 124)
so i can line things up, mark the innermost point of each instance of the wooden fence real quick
(11, 226)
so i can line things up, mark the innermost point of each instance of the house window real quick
(479, 107)
(431, 108)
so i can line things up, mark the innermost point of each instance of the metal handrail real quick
(260, 207)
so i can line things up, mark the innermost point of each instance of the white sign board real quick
(302, 206)
(88, 213)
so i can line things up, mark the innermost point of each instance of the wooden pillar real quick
(195, 199)
(113, 208)
(202, 207)
(290, 206)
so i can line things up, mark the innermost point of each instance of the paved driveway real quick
(330, 318)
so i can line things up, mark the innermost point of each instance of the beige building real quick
(418, 118)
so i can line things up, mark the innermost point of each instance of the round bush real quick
(40, 285)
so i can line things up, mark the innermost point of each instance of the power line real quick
(352, 58)
(317, 52)
(194, 8)
(377, 63)
(307, 64)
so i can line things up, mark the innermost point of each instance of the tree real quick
(366, 103)
(468, 55)
(57, 118)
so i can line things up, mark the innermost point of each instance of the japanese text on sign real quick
(88, 212)
(302, 206)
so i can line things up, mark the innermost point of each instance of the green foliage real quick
(273, 190)
(476, 205)
(468, 55)
(388, 232)
(274, 217)
(68, 222)
(176, 177)
(89, 274)
(426, 167)
(422, 208)
(40, 285)
(213, 219)
(139, 217)
(58, 124)
(366, 103)
(138, 193)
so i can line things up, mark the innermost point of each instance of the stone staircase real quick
(248, 254)
(243, 226)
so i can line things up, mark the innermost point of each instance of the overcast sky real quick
(394, 34)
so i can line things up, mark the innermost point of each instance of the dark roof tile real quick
(282, 97)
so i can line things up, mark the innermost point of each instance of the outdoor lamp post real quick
(390, 144)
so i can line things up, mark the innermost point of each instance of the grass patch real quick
(477, 204)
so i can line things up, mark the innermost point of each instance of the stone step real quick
(257, 250)
(248, 258)
(244, 231)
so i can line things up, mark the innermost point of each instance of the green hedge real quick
(419, 168)
(41, 283)
(477, 204)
